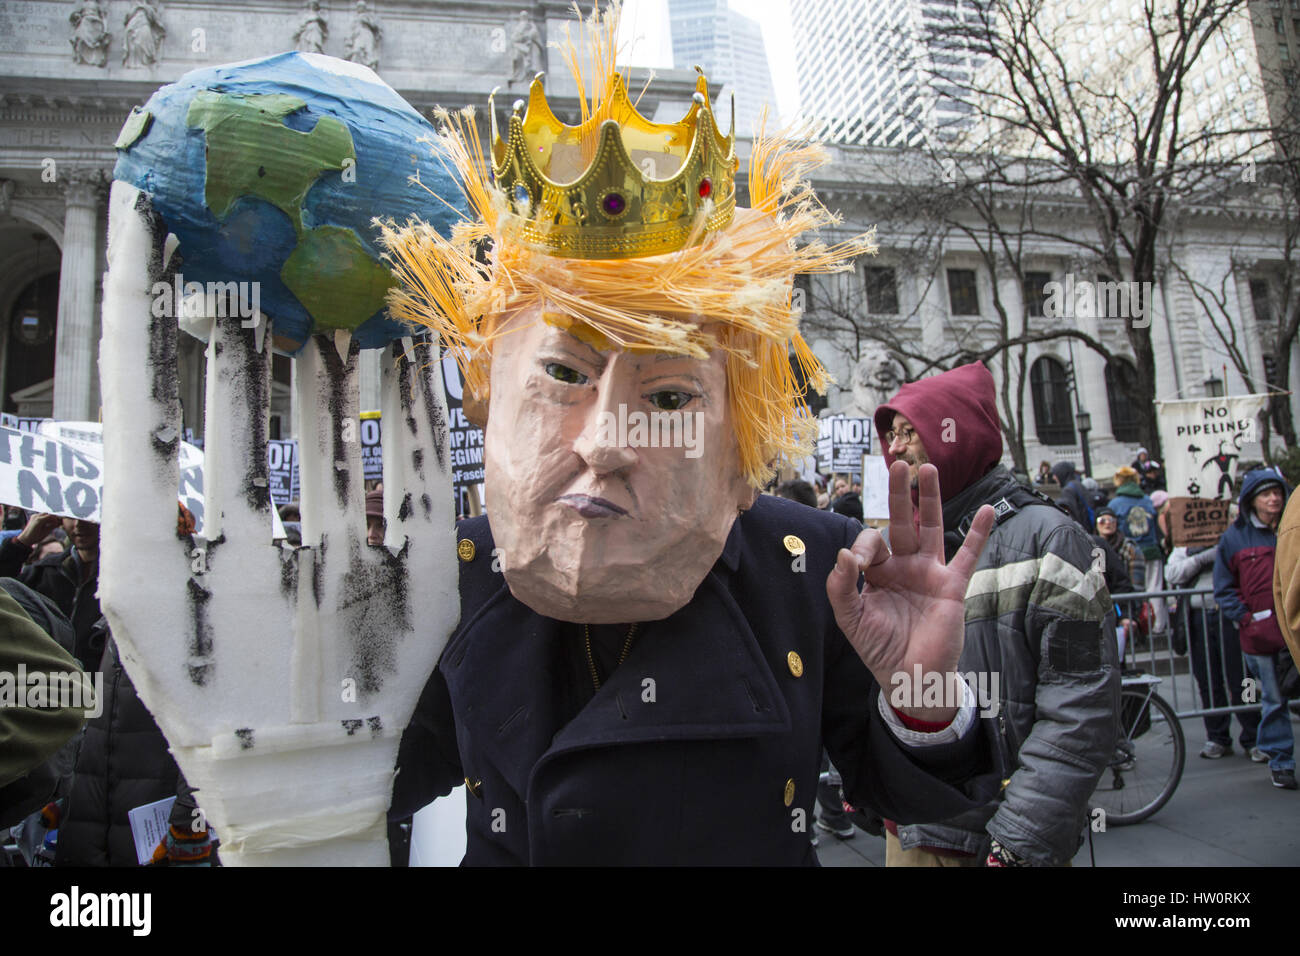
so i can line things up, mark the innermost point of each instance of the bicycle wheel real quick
(1148, 760)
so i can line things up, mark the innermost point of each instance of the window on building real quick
(1123, 418)
(33, 324)
(882, 291)
(1051, 390)
(1032, 288)
(1261, 301)
(962, 297)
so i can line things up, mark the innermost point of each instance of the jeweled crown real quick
(636, 191)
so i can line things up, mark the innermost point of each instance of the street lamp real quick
(1214, 386)
(1084, 421)
(1081, 418)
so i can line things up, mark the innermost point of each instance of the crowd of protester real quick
(70, 777)
(68, 791)
(66, 799)
(1230, 630)
(1237, 630)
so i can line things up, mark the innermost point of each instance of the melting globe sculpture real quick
(271, 171)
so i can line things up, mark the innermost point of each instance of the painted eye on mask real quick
(669, 401)
(562, 373)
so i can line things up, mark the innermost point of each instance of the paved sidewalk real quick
(1225, 812)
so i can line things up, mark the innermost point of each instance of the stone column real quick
(1166, 340)
(76, 345)
(1254, 340)
(1011, 293)
(932, 307)
(1090, 373)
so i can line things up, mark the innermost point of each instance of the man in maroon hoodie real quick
(1036, 652)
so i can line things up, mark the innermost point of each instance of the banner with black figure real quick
(1204, 439)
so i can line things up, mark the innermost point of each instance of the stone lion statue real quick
(875, 380)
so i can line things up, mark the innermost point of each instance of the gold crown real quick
(635, 192)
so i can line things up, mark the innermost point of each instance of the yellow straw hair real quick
(732, 291)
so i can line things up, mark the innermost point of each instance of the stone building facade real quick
(71, 70)
(930, 294)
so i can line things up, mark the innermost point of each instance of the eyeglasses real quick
(907, 433)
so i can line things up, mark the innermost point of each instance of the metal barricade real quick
(1199, 658)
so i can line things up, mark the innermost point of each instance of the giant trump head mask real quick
(629, 330)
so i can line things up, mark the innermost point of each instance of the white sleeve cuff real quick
(919, 738)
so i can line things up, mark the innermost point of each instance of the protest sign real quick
(875, 487)
(842, 442)
(21, 424)
(58, 469)
(465, 442)
(372, 450)
(282, 470)
(45, 475)
(1203, 441)
(1197, 522)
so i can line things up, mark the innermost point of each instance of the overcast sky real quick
(645, 32)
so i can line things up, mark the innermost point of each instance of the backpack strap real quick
(1006, 506)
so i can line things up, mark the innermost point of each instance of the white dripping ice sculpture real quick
(283, 679)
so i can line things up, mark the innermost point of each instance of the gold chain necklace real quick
(591, 663)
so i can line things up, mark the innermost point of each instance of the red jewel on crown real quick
(706, 187)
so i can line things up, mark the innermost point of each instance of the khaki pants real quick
(895, 855)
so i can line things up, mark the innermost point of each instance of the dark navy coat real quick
(722, 766)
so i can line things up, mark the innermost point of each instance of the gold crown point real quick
(618, 185)
(492, 116)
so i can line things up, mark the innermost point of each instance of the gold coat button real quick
(465, 549)
(794, 544)
(796, 664)
(789, 791)
(475, 787)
